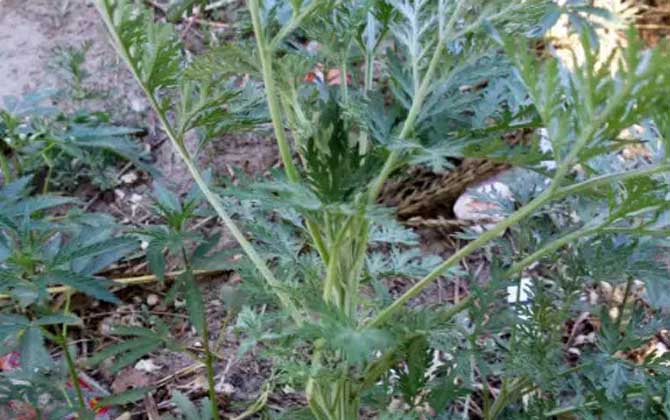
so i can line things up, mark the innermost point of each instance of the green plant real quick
(38, 250)
(39, 139)
(175, 239)
(188, 410)
(318, 252)
(69, 61)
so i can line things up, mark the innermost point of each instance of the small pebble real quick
(152, 299)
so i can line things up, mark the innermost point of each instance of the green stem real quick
(609, 179)
(213, 199)
(209, 366)
(417, 103)
(18, 167)
(549, 194)
(566, 410)
(265, 55)
(369, 71)
(508, 393)
(637, 231)
(520, 387)
(622, 307)
(483, 239)
(209, 356)
(6, 172)
(74, 378)
(361, 247)
(293, 24)
(47, 179)
(549, 248)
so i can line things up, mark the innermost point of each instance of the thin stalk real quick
(359, 259)
(468, 399)
(609, 179)
(213, 199)
(260, 402)
(222, 331)
(6, 172)
(569, 409)
(507, 394)
(381, 365)
(369, 71)
(293, 24)
(313, 392)
(520, 387)
(624, 301)
(74, 378)
(209, 366)
(18, 168)
(331, 287)
(417, 103)
(270, 90)
(638, 231)
(125, 281)
(483, 239)
(209, 357)
(549, 248)
(47, 179)
(344, 86)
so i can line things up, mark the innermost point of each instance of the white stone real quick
(147, 365)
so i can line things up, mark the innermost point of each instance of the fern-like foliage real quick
(417, 81)
(201, 91)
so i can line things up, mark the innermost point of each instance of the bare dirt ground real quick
(31, 31)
